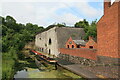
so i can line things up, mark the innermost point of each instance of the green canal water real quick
(28, 69)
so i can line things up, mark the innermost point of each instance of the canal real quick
(28, 69)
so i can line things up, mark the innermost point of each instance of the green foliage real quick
(90, 29)
(8, 63)
(82, 24)
(14, 38)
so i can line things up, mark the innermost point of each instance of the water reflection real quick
(28, 69)
(36, 73)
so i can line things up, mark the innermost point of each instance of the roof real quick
(80, 42)
(64, 33)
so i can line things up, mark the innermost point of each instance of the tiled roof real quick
(80, 42)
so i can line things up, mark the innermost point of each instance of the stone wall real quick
(58, 36)
(108, 60)
(77, 60)
(42, 41)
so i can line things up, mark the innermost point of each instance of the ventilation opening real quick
(91, 47)
(50, 41)
(40, 38)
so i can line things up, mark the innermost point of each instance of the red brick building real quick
(107, 48)
(108, 30)
(75, 43)
(91, 43)
(80, 48)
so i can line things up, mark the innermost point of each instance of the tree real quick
(82, 24)
(14, 37)
(92, 31)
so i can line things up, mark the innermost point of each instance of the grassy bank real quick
(8, 64)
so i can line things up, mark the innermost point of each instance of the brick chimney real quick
(90, 37)
(107, 4)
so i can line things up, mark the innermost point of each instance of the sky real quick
(47, 12)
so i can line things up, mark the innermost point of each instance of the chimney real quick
(90, 37)
(107, 4)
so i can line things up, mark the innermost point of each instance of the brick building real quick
(75, 43)
(80, 48)
(91, 43)
(108, 31)
(107, 48)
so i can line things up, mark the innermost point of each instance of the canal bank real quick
(91, 72)
(28, 69)
(75, 68)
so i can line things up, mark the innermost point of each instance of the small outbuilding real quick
(91, 44)
(75, 43)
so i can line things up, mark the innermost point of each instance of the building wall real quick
(72, 43)
(44, 42)
(84, 53)
(107, 32)
(59, 36)
(119, 28)
(91, 42)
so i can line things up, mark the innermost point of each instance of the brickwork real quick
(108, 31)
(119, 29)
(85, 53)
(70, 44)
(91, 42)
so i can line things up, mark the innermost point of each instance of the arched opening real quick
(67, 46)
(49, 51)
(50, 41)
(72, 46)
(78, 46)
(42, 49)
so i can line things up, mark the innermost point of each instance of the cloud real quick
(52, 0)
(45, 13)
(87, 10)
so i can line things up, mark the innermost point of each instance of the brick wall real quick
(119, 29)
(107, 32)
(85, 53)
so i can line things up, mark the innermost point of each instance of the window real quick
(50, 41)
(72, 46)
(49, 51)
(91, 47)
(42, 49)
(67, 46)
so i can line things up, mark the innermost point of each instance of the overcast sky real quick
(46, 12)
